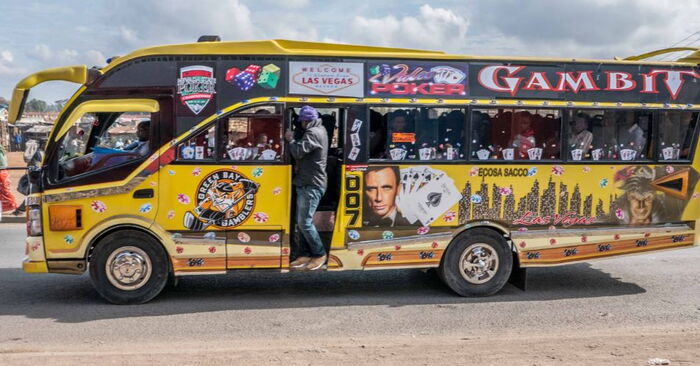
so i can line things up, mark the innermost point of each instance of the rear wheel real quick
(128, 267)
(477, 263)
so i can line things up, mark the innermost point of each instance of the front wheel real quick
(477, 263)
(128, 267)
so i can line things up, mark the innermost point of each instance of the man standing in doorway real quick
(310, 152)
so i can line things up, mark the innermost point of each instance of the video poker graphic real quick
(417, 79)
(196, 87)
(224, 199)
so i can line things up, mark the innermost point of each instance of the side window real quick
(515, 134)
(101, 140)
(676, 132)
(609, 135)
(199, 147)
(253, 134)
(417, 133)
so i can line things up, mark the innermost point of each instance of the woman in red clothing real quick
(7, 198)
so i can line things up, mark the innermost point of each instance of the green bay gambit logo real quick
(196, 87)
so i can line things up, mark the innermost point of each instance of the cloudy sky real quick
(44, 34)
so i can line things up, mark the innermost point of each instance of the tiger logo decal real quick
(225, 199)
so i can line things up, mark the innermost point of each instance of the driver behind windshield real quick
(142, 133)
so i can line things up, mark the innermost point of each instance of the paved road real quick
(628, 309)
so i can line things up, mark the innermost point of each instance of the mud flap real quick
(518, 277)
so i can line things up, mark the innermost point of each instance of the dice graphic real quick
(268, 80)
(231, 73)
(269, 77)
(244, 80)
(253, 70)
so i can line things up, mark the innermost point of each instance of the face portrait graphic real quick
(381, 189)
(641, 205)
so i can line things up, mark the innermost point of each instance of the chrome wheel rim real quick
(478, 263)
(128, 268)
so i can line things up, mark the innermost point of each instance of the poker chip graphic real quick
(274, 238)
(146, 207)
(449, 216)
(171, 214)
(210, 235)
(353, 234)
(387, 235)
(68, 239)
(183, 198)
(260, 217)
(557, 170)
(243, 237)
(98, 206)
(196, 171)
(422, 230)
(257, 172)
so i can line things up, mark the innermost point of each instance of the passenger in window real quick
(525, 139)
(676, 134)
(451, 135)
(402, 137)
(630, 137)
(141, 145)
(580, 139)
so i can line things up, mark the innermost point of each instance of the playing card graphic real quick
(425, 194)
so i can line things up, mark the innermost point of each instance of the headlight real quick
(34, 221)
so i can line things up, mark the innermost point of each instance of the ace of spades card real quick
(426, 194)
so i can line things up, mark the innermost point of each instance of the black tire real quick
(482, 241)
(135, 247)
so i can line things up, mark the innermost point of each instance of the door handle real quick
(144, 193)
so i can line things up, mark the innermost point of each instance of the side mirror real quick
(34, 176)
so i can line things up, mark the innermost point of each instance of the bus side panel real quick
(226, 217)
(555, 213)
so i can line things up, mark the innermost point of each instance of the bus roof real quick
(299, 48)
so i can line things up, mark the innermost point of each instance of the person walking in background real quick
(7, 198)
(310, 152)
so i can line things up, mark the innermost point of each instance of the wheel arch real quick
(95, 240)
(488, 225)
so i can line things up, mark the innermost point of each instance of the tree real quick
(36, 105)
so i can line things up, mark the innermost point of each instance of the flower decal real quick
(98, 206)
(243, 237)
(247, 250)
(434, 245)
(179, 249)
(146, 207)
(353, 234)
(387, 235)
(68, 239)
(260, 217)
(257, 172)
(557, 170)
(422, 230)
(183, 198)
(212, 249)
(449, 216)
(603, 183)
(196, 172)
(360, 252)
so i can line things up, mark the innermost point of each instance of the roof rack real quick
(694, 57)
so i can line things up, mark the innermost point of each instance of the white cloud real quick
(432, 28)
(8, 66)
